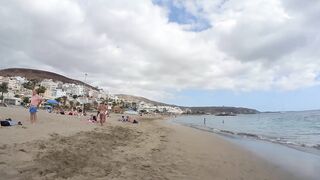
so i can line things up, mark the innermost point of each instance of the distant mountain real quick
(194, 110)
(139, 99)
(40, 75)
(222, 109)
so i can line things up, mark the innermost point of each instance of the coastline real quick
(64, 147)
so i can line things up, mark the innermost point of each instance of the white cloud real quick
(132, 47)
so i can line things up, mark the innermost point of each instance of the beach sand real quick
(67, 147)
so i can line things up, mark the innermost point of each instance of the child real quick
(34, 105)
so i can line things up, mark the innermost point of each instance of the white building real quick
(73, 89)
(12, 101)
(59, 93)
(49, 84)
(14, 84)
(93, 93)
(174, 110)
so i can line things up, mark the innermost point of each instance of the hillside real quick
(139, 98)
(220, 109)
(40, 75)
(195, 110)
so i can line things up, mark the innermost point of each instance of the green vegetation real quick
(41, 90)
(3, 89)
(26, 100)
(30, 84)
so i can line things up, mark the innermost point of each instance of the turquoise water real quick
(294, 129)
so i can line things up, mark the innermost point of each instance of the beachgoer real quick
(204, 121)
(9, 122)
(102, 109)
(34, 105)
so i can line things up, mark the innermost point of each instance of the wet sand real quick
(66, 147)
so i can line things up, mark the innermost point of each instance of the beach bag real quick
(5, 123)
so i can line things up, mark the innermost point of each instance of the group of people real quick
(102, 113)
(128, 119)
(72, 112)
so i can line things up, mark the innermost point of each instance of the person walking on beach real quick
(102, 109)
(34, 105)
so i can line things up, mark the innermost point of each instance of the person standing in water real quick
(34, 105)
(204, 121)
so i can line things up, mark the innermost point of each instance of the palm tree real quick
(3, 89)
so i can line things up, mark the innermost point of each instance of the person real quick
(9, 122)
(102, 109)
(92, 119)
(34, 105)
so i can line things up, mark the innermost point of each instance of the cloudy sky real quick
(262, 54)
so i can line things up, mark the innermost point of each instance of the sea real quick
(287, 139)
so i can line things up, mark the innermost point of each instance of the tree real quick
(122, 103)
(114, 104)
(78, 104)
(26, 100)
(16, 96)
(71, 104)
(30, 84)
(3, 89)
(74, 96)
(59, 99)
(64, 100)
(41, 90)
(95, 104)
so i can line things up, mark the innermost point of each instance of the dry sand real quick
(66, 147)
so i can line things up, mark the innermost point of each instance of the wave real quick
(277, 140)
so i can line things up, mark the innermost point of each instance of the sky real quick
(261, 54)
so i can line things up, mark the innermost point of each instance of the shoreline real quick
(253, 137)
(277, 154)
(64, 147)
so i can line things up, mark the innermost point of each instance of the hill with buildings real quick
(192, 110)
(58, 86)
(141, 99)
(40, 75)
(221, 110)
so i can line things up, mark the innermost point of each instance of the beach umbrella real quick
(52, 101)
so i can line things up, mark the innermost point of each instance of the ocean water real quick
(290, 140)
(300, 130)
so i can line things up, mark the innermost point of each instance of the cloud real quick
(144, 49)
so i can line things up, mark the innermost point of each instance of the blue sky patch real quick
(180, 15)
(300, 99)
